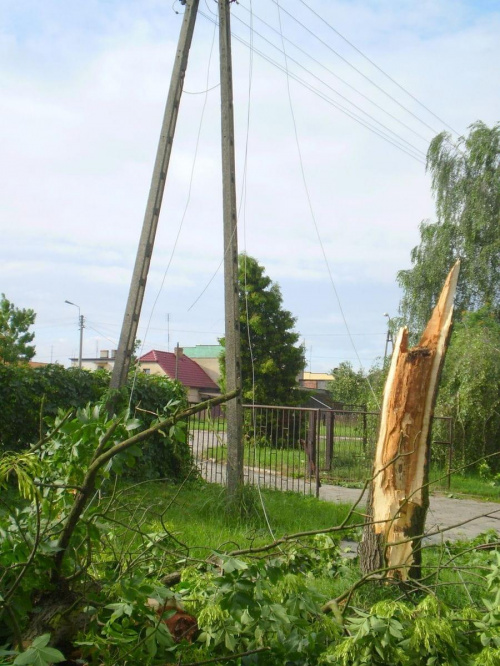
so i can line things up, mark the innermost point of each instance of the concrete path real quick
(444, 512)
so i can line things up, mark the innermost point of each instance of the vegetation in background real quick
(32, 397)
(15, 336)
(359, 388)
(271, 359)
(466, 185)
(470, 387)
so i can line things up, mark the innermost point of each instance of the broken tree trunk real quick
(399, 494)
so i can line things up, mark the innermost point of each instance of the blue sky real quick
(83, 91)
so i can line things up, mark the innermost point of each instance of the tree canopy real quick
(466, 186)
(271, 358)
(15, 336)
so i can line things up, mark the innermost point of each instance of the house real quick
(105, 361)
(200, 386)
(208, 357)
(317, 381)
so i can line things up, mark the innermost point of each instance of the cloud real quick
(82, 105)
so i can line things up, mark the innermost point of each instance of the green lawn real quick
(198, 524)
(196, 515)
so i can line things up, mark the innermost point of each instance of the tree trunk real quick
(399, 494)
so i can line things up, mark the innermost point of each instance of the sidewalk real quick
(443, 512)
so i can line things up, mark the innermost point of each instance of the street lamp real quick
(80, 323)
(388, 336)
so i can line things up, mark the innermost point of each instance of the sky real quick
(330, 207)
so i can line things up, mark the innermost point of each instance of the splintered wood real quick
(400, 494)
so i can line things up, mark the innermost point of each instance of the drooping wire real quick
(243, 205)
(337, 32)
(327, 99)
(312, 213)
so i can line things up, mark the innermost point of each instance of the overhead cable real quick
(330, 71)
(337, 32)
(336, 92)
(356, 69)
(333, 103)
(311, 208)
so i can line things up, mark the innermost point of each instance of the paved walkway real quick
(444, 512)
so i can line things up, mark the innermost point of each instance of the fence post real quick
(450, 451)
(365, 431)
(330, 433)
(311, 443)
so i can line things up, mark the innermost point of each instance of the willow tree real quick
(466, 187)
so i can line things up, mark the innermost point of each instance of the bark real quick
(399, 494)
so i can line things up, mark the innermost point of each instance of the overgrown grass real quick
(197, 515)
(200, 525)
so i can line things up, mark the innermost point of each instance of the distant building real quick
(208, 357)
(105, 361)
(200, 386)
(317, 381)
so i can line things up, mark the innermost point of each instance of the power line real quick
(311, 209)
(336, 92)
(318, 93)
(347, 62)
(346, 83)
(337, 32)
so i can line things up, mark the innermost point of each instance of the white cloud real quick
(82, 105)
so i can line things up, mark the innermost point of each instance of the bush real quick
(31, 398)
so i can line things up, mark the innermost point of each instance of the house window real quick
(147, 371)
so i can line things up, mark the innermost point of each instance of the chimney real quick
(113, 353)
(104, 353)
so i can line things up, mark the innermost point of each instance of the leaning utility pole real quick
(146, 243)
(231, 287)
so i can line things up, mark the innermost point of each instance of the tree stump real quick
(399, 493)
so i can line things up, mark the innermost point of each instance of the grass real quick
(472, 485)
(197, 515)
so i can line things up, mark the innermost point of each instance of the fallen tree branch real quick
(88, 484)
(228, 658)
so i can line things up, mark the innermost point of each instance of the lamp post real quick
(388, 336)
(80, 323)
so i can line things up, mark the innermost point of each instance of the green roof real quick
(203, 351)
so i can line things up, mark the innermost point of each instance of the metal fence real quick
(293, 448)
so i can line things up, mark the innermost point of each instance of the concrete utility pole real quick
(231, 288)
(146, 243)
(81, 325)
(388, 338)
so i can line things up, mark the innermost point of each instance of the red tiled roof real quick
(189, 372)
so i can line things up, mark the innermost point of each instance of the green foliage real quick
(15, 337)
(348, 386)
(470, 386)
(466, 185)
(29, 394)
(270, 358)
(39, 654)
(31, 398)
(357, 387)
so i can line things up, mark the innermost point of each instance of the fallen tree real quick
(399, 494)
